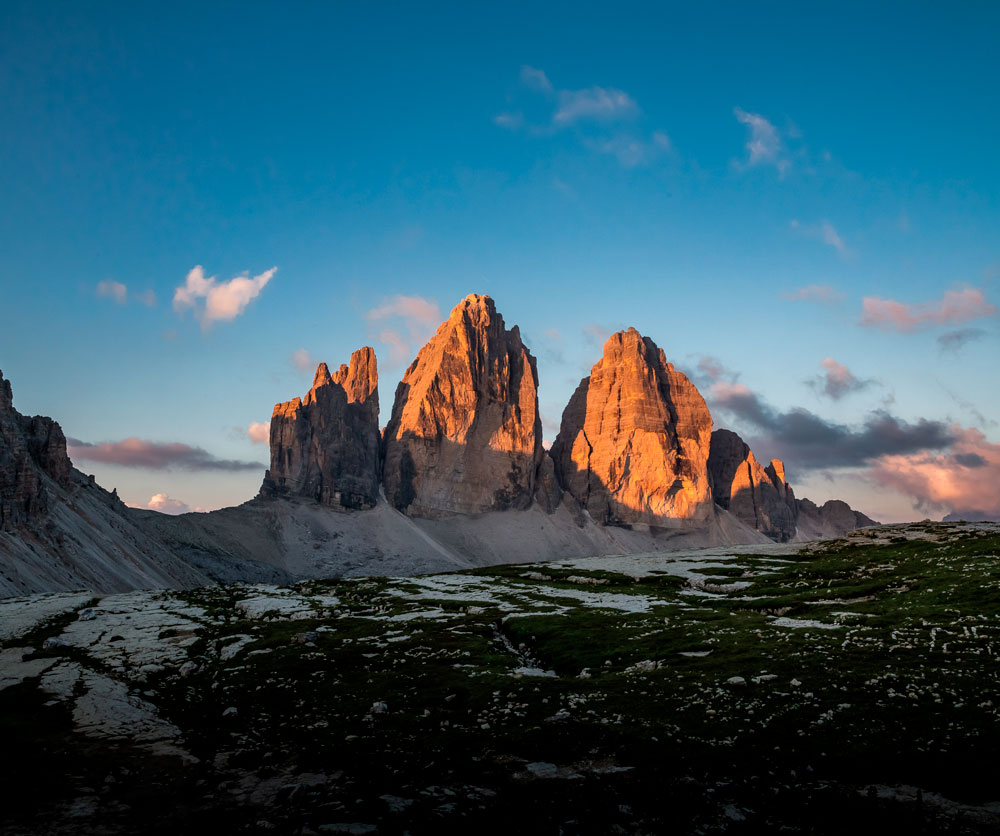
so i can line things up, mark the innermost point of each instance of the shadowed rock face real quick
(634, 441)
(832, 519)
(29, 447)
(465, 433)
(326, 445)
(758, 496)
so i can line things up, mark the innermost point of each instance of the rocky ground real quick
(747, 689)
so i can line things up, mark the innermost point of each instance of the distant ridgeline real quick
(635, 468)
(635, 447)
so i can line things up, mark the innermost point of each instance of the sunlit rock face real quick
(634, 441)
(465, 433)
(758, 496)
(325, 446)
(30, 448)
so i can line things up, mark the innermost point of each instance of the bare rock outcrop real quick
(634, 441)
(465, 432)
(29, 448)
(833, 518)
(757, 496)
(325, 446)
(548, 494)
(59, 529)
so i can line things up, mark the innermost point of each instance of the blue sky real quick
(761, 189)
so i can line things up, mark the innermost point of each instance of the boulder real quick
(325, 446)
(465, 432)
(634, 440)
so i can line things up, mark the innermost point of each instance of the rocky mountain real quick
(458, 479)
(834, 518)
(59, 530)
(634, 441)
(325, 446)
(762, 499)
(465, 432)
(758, 496)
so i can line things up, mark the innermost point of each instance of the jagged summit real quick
(758, 496)
(634, 439)
(325, 446)
(465, 432)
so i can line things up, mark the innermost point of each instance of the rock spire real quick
(465, 432)
(325, 446)
(634, 441)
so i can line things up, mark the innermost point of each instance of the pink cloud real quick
(164, 504)
(153, 455)
(966, 478)
(259, 433)
(956, 306)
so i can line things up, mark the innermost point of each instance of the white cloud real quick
(109, 289)
(147, 298)
(764, 144)
(259, 433)
(598, 103)
(302, 360)
(165, 505)
(224, 301)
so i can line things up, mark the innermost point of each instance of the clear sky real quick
(799, 204)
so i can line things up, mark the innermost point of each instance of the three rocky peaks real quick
(635, 446)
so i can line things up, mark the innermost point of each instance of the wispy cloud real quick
(837, 381)
(512, 121)
(955, 341)
(823, 231)
(955, 306)
(302, 360)
(596, 116)
(824, 294)
(109, 289)
(764, 145)
(153, 455)
(223, 301)
(631, 151)
(417, 318)
(596, 334)
(600, 104)
(535, 79)
(259, 432)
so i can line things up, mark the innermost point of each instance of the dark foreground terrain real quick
(849, 687)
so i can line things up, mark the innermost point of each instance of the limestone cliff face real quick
(634, 441)
(325, 446)
(465, 433)
(29, 448)
(758, 496)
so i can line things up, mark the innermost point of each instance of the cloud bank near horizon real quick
(154, 455)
